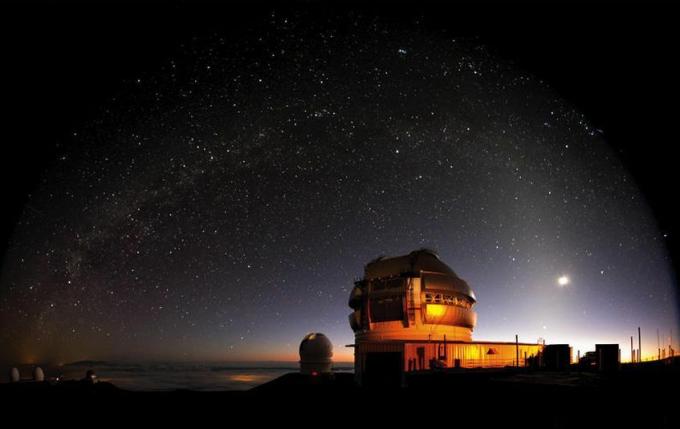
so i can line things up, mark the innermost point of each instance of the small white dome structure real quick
(38, 374)
(316, 352)
(14, 376)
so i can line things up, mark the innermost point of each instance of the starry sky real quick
(220, 204)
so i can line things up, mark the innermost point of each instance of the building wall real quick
(362, 349)
(418, 355)
(467, 355)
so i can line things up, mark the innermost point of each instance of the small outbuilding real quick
(608, 357)
(557, 357)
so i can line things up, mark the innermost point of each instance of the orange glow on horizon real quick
(247, 378)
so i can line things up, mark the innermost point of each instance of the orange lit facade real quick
(413, 312)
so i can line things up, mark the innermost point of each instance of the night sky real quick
(220, 201)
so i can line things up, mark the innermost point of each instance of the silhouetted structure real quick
(557, 357)
(588, 361)
(90, 377)
(608, 357)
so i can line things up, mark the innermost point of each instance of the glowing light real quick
(246, 378)
(435, 310)
(563, 281)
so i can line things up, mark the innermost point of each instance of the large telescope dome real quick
(412, 296)
(425, 262)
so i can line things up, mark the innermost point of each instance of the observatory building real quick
(316, 353)
(412, 313)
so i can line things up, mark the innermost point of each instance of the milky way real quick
(222, 204)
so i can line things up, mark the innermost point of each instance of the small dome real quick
(38, 374)
(316, 351)
(316, 347)
(14, 376)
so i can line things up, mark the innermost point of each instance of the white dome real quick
(14, 375)
(316, 351)
(38, 374)
(316, 347)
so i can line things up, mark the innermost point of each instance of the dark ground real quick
(633, 397)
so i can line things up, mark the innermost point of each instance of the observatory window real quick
(386, 309)
(440, 298)
(435, 310)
